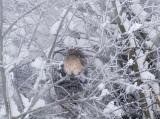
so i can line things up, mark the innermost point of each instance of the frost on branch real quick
(111, 73)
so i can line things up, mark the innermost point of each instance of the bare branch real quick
(57, 33)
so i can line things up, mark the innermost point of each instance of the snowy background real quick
(120, 40)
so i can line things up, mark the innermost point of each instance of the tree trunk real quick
(2, 71)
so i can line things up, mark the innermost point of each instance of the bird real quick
(74, 62)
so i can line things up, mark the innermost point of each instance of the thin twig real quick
(35, 30)
(57, 33)
(65, 100)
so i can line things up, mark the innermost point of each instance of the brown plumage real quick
(74, 62)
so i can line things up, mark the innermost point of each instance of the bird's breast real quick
(73, 66)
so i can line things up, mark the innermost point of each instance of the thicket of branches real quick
(120, 39)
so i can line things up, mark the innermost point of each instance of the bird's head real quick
(74, 62)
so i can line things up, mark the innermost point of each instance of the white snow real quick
(21, 31)
(21, 1)
(38, 63)
(118, 5)
(132, 42)
(132, 88)
(136, 1)
(54, 28)
(98, 62)
(147, 75)
(149, 44)
(147, 92)
(69, 42)
(29, 20)
(104, 92)
(142, 65)
(14, 109)
(39, 103)
(101, 19)
(9, 84)
(11, 91)
(134, 27)
(77, 25)
(126, 24)
(24, 53)
(152, 33)
(2, 111)
(137, 8)
(156, 88)
(101, 86)
(141, 59)
(112, 108)
(41, 76)
(130, 62)
(8, 59)
(158, 97)
(59, 117)
(11, 49)
(25, 102)
(69, 15)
